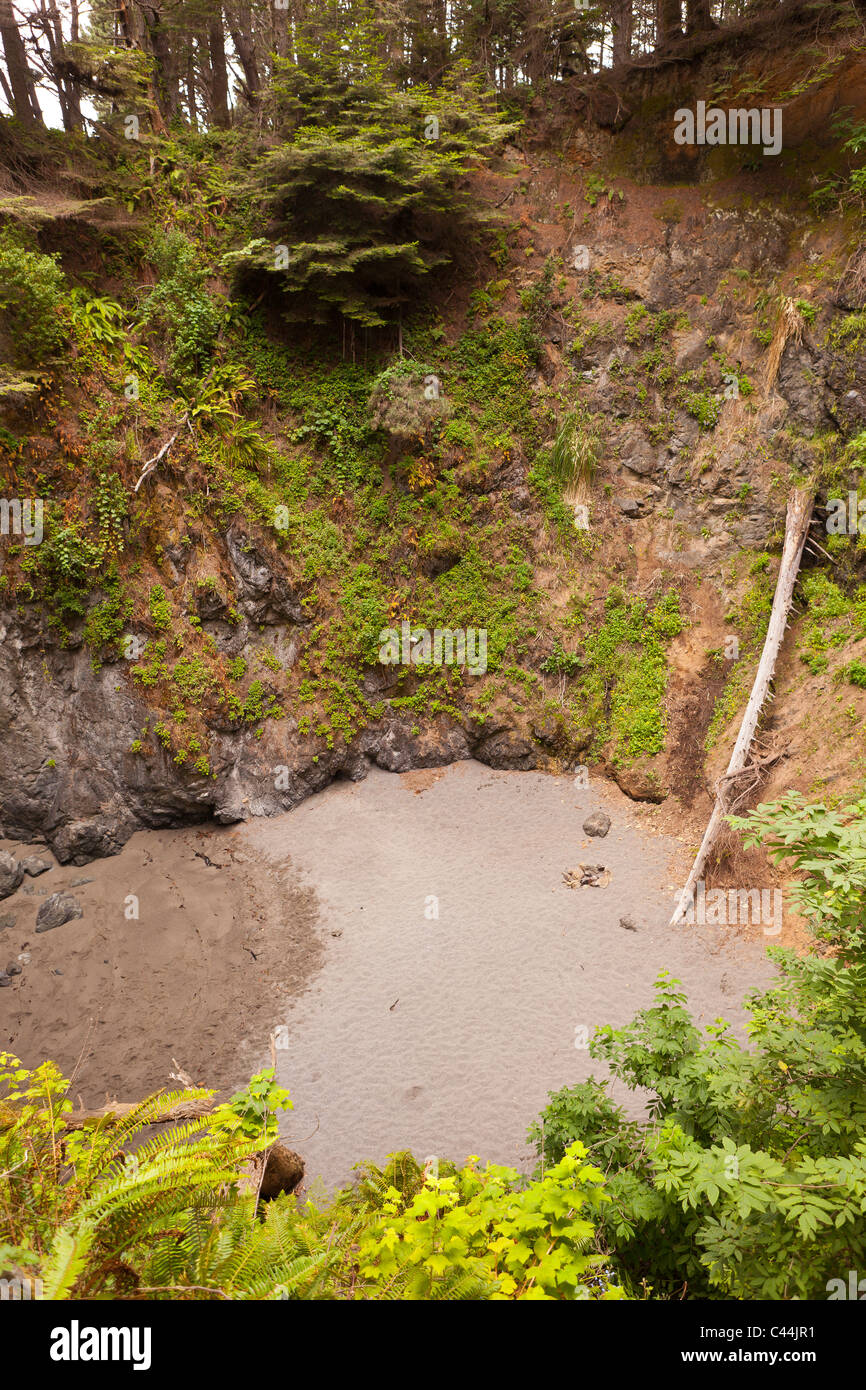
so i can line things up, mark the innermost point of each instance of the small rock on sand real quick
(35, 866)
(7, 919)
(596, 824)
(628, 923)
(587, 875)
(57, 910)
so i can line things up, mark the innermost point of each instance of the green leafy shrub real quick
(32, 292)
(748, 1180)
(179, 306)
(102, 1211)
(501, 1238)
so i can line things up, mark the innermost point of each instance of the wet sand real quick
(409, 939)
(203, 967)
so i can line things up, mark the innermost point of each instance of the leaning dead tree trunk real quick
(799, 515)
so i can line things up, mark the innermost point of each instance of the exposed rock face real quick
(69, 776)
(264, 597)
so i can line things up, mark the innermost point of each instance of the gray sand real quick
(444, 1034)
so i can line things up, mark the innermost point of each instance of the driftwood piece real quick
(276, 1169)
(118, 1110)
(151, 464)
(799, 516)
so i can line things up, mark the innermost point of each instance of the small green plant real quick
(597, 188)
(576, 450)
(561, 662)
(159, 607)
(96, 319)
(705, 408)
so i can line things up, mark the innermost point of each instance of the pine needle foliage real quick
(364, 194)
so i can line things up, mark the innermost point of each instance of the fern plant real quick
(102, 1211)
(82, 1209)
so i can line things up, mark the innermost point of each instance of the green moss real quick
(621, 694)
(833, 619)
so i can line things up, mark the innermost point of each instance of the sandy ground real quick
(202, 968)
(444, 1033)
(408, 939)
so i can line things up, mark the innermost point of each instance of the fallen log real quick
(118, 1110)
(799, 516)
(266, 1174)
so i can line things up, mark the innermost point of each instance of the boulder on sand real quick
(284, 1172)
(596, 824)
(57, 910)
(11, 873)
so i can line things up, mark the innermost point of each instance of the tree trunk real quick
(670, 22)
(241, 29)
(698, 16)
(190, 91)
(161, 43)
(280, 31)
(68, 94)
(219, 87)
(799, 516)
(621, 17)
(24, 103)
